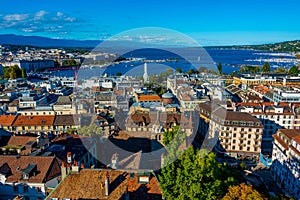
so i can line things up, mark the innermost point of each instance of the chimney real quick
(114, 161)
(69, 158)
(63, 170)
(162, 160)
(75, 167)
(82, 165)
(106, 184)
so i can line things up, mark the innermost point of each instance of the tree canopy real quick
(266, 67)
(179, 70)
(24, 74)
(220, 68)
(12, 72)
(195, 176)
(91, 130)
(294, 70)
(241, 192)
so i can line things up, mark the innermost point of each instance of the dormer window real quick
(29, 171)
(25, 176)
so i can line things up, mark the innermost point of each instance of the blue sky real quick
(210, 22)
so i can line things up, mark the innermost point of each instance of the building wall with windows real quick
(237, 134)
(285, 168)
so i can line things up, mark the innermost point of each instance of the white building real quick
(285, 168)
(286, 95)
(69, 82)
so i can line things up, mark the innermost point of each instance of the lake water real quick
(187, 59)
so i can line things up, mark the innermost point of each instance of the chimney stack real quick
(64, 170)
(75, 167)
(69, 158)
(162, 160)
(114, 161)
(106, 184)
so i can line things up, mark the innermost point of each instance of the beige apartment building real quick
(233, 134)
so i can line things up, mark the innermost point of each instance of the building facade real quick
(285, 167)
(232, 134)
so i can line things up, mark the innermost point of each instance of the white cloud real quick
(41, 21)
(40, 15)
(28, 30)
(15, 17)
(59, 14)
(70, 19)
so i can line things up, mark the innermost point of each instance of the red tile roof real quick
(7, 120)
(149, 98)
(47, 168)
(36, 120)
(297, 139)
(290, 133)
(20, 140)
(76, 186)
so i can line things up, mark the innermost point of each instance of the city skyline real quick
(209, 23)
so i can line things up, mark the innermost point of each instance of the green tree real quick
(294, 70)
(195, 176)
(118, 74)
(6, 72)
(91, 130)
(169, 72)
(13, 74)
(202, 69)
(179, 70)
(24, 74)
(241, 192)
(281, 70)
(220, 68)
(191, 71)
(169, 135)
(266, 67)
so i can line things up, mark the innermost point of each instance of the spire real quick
(145, 76)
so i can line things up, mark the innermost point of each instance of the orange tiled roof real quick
(7, 120)
(149, 98)
(36, 120)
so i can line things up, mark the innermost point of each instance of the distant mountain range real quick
(45, 41)
(288, 46)
(38, 41)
